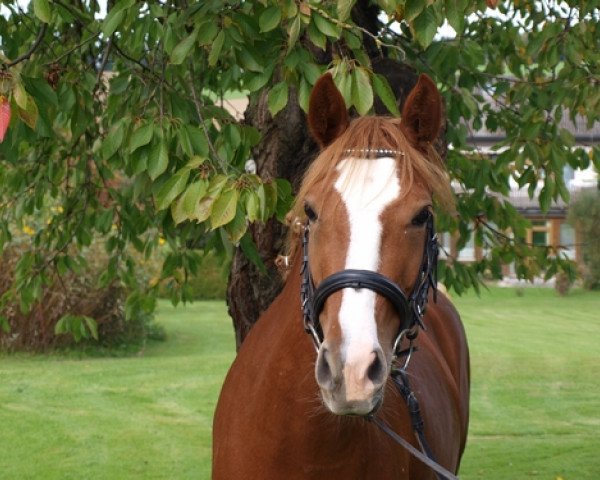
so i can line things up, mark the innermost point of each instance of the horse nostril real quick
(323, 368)
(376, 370)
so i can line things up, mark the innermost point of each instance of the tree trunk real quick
(285, 151)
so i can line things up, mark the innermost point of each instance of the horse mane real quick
(375, 132)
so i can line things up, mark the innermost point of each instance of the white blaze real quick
(367, 187)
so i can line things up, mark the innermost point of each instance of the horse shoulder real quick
(259, 395)
(446, 331)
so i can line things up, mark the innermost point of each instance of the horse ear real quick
(327, 114)
(422, 113)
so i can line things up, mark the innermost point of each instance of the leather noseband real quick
(410, 309)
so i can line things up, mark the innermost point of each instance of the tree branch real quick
(32, 49)
(201, 117)
(105, 57)
(70, 51)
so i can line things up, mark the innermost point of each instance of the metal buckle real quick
(310, 328)
(410, 333)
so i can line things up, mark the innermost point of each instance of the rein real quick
(410, 309)
(425, 455)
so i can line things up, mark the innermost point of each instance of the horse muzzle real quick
(351, 386)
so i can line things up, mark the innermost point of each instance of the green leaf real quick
(413, 9)
(78, 326)
(182, 49)
(217, 183)
(172, 188)
(92, 326)
(293, 33)
(545, 198)
(270, 198)
(224, 208)
(316, 36)
(112, 21)
(278, 98)
(30, 114)
(41, 8)
(249, 248)
(20, 95)
(142, 136)
(262, 202)
(259, 80)
(248, 61)
(237, 227)
(113, 140)
(42, 92)
(177, 212)
(386, 95)
(455, 13)
(343, 82)
(252, 206)
(158, 161)
(325, 26)
(204, 208)
(207, 32)
(425, 27)
(192, 196)
(344, 7)
(362, 92)
(185, 143)
(269, 19)
(215, 51)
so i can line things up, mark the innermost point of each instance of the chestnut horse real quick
(365, 207)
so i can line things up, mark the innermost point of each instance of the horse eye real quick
(310, 213)
(421, 217)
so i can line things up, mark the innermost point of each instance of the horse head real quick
(367, 202)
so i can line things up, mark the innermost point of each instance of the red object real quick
(4, 116)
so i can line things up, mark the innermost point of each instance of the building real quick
(549, 228)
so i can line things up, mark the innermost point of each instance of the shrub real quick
(584, 216)
(209, 283)
(562, 283)
(71, 308)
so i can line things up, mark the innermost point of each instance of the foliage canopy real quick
(119, 134)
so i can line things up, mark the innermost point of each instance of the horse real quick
(365, 238)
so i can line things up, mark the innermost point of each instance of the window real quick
(567, 240)
(467, 254)
(539, 235)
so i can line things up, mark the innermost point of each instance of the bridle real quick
(410, 309)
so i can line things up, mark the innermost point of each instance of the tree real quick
(584, 216)
(120, 121)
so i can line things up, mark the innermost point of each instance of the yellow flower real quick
(27, 230)
(161, 241)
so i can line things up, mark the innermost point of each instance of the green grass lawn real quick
(535, 392)
(535, 396)
(144, 417)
